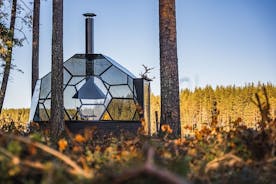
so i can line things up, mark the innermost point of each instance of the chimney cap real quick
(87, 15)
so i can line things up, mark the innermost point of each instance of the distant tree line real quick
(226, 105)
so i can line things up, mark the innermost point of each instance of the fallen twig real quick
(150, 169)
(17, 161)
(214, 164)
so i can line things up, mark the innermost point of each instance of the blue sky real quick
(219, 42)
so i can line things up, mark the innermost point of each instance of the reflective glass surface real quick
(121, 91)
(69, 102)
(106, 116)
(122, 109)
(35, 99)
(76, 66)
(114, 82)
(100, 65)
(130, 83)
(45, 87)
(47, 105)
(136, 116)
(114, 76)
(113, 62)
(42, 113)
(91, 112)
(66, 77)
(107, 99)
(77, 80)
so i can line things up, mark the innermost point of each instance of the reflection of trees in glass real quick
(106, 116)
(114, 76)
(72, 112)
(91, 112)
(45, 86)
(122, 91)
(111, 79)
(43, 113)
(122, 109)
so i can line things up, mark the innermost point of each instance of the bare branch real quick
(17, 161)
(150, 169)
(146, 72)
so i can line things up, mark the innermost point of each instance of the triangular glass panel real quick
(66, 77)
(106, 116)
(136, 116)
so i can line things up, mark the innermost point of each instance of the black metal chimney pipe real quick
(89, 33)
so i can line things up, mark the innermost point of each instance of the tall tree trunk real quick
(170, 110)
(8, 58)
(57, 113)
(35, 51)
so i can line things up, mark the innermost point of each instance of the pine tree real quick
(170, 109)
(8, 58)
(35, 49)
(57, 113)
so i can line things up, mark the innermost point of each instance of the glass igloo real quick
(95, 88)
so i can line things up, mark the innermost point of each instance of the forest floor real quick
(239, 155)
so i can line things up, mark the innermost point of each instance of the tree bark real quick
(35, 49)
(8, 58)
(57, 113)
(170, 110)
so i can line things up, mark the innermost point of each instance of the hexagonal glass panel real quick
(45, 86)
(91, 112)
(121, 91)
(100, 65)
(122, 109)
(114, 76)
(76, 66)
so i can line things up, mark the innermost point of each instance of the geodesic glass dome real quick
(95, 88)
